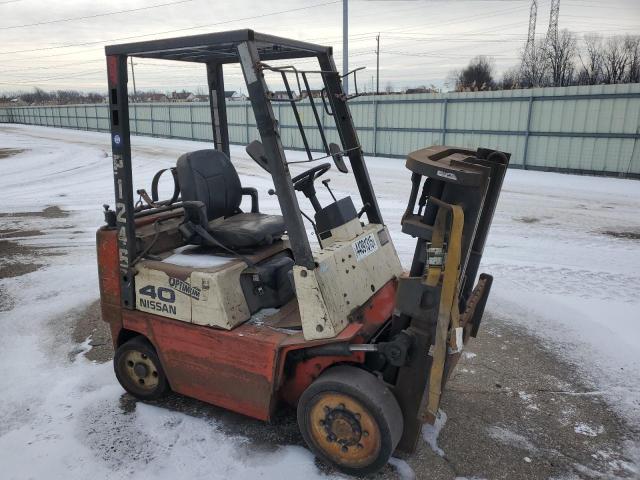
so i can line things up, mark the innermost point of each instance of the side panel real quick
(208, 298)
(156, 294)
(368, 320)
(109, 279)
(348, 274)
(231, 369)
(221, 302)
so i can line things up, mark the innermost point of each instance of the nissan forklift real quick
(238, 309)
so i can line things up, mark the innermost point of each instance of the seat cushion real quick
(247, 229)
(209, 176)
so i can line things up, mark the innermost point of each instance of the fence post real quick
(246, 119)
(375, 126)
(191, 120)
(135, 118)
(444, 122)
(151, 106)
(170, 122)
(526, 134)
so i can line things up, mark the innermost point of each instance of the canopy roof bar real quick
(219, 47)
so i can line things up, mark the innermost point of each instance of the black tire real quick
(341, 405)
(139, 371)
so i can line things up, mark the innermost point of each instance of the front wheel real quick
(139, 370)
(350, 419)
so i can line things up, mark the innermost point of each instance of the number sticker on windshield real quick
(365, 246)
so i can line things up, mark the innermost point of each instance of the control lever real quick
(271, 191)
(325, 182)
(364, 208)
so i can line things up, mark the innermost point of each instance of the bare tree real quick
(534, 67)
(632, 49)
(510, 79)
(559, 52)
(478, 75)
(615, 60)
(592, 59)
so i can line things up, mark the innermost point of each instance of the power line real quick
(102, 42)
(31, 82)
(49, 22)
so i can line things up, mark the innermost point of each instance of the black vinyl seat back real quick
(209, 176)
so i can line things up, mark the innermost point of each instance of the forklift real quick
(237, 309)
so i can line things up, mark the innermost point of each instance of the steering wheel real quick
(302, 181)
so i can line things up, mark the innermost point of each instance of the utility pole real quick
(378, 64)
(133, 76)
(345, 45)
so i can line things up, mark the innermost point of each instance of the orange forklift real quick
(237, 308)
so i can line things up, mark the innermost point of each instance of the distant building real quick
(419, 90)
(280, 95)
(183, 96)
(148, 97)
(314, 94)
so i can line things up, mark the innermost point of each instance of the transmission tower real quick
(552, 33)
(531, 37)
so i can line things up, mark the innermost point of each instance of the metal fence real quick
(587, 129)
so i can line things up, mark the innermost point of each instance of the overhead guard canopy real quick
(219, 47)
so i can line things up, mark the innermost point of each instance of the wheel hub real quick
(344, 429)
(342, 426)
(141, 370)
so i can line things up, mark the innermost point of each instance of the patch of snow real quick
(468, 355)
(430, 432)
(588, 430)
(194, 257)
(405, 472)
(507, 437)
(527, 459)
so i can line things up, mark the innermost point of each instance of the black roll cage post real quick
(250, 49)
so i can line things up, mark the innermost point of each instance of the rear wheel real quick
(139, 370)
(350, 419)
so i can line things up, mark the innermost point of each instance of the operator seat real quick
(211, 194)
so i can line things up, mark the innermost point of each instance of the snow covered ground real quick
(559, 250)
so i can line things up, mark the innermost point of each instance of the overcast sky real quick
(422, 41)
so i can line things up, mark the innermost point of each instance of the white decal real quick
(365, 246)
(120, 213)
(449, 175)
(247, 64)
(118, 162)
